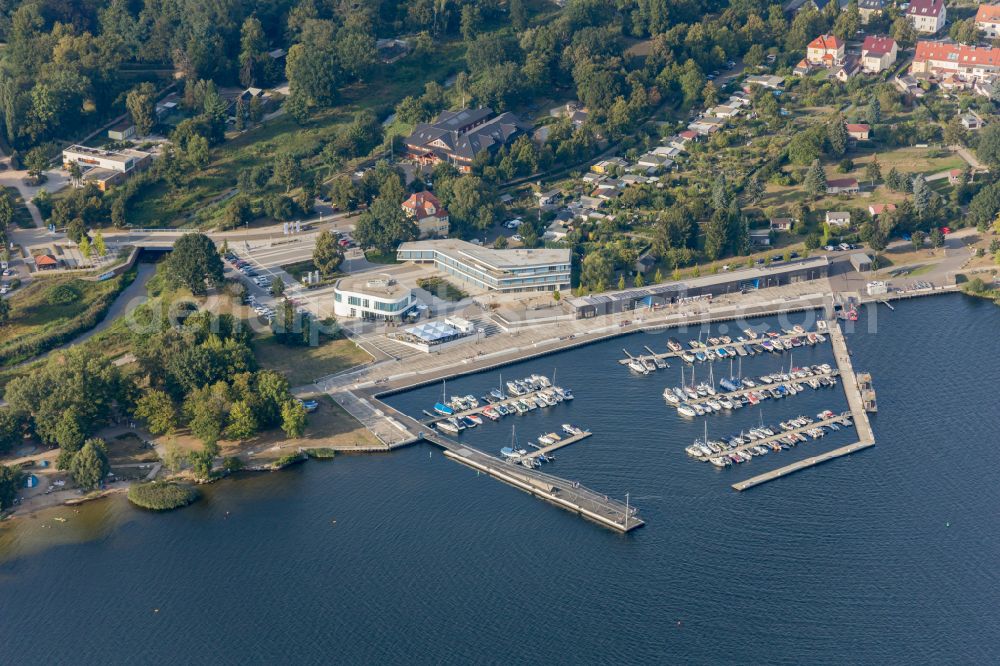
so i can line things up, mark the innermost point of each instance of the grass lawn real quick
(22, 218)
(377, 257)
(302, 365)
(38, 323)
(441, 288)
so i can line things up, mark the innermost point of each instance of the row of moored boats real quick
(703, 398)
(741, 448)
(521, 396)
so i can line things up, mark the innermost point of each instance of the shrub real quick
(161, 495)
(62, 294)
(287, 460)
(321, 453)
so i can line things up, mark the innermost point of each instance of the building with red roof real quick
(858, 131)
(878, 53)
(826, 51)
(425, 209)
(44, 262)
(988, 20)
(877, 209)
(940, 59)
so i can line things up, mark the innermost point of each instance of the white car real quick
(829, 248)
(844, 246)
(517, 237)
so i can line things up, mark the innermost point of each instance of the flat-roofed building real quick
(659, 295)
(377, 298)
(506, 271)
(106, 167)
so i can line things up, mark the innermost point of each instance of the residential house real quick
(825, 51)
(878, 53)
(877, 209)
(803, 68)
(607, 166)
(988, 20)
(425, 209)
(556, 231)
(927, 16)
(122, 130)
(575, 111)
(723, 111)
(858, 131)
(665, 151)
(842, 186)
(971, 121)
(550, 198)
(869, 9)
(760, 237)
(939, 59)
(591, 178)
(706, 126)
(645, 263)
(955, 176)
(850, 67)
(767, 81)
(456, 137)
(909, 86)
(782, 223)
(838, 218)
(986, 88)
(654, 161)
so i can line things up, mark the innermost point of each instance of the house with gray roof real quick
(457, 137)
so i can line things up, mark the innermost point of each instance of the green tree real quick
(988, 149)
(158, 410)
(141, 105)
(384, 226)
(206, 409)
(837, 135)
(917, 238)
(873, 114)
(277, 286)
(288, 171)
(621, 282)
(242, 421)
(11, 480)
(921, 195)
(595, 270)
(754, 189)
(873, 170)
(937, 238)
(954, 133)
(99, 245)
(237, 213)
(328, 254)
(84, 247)
(89, 465)
(815, 180)
(36, 161)
(518, 14)
(4, 312)
(194, 262)
(202, 461)
(252, 44)
(293, 419)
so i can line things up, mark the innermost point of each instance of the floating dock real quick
(760, 387)
(565, 441)
(801, 464)
(744, 348)
(854, 399)
(837, 418)
(506, 402)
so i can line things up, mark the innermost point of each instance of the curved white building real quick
(378, 298)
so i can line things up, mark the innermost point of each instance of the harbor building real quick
(504, 271)
(738, 281)
(379, 298)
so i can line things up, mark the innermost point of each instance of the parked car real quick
(310, 405)
(517, 237)
(829, 248)
(844, 246)
(9, 272)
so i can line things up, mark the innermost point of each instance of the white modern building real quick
(378, 298)
(106, 167)
(506, 271)
(927, 16)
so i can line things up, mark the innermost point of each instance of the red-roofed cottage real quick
(878, 53)
(941, 59)
(425, 209)
(988, 20)
(826, 51)
(858, 131)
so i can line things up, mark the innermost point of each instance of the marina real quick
(724, 347)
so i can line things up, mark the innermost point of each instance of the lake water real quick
(886, 556)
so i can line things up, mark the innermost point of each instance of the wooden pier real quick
(565, 441)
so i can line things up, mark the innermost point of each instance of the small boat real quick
(660, 363)
(447, 426)
(674, 344)
(443, 409)
(498, 394)
(688, 358)
(686, 410)
(571, 429)
(670, 396)
(637, 366)
(491, 413)
(565, 393)
(475, 418)
(514, 389)
(700, 355)
(507, 452)
(468, 422)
